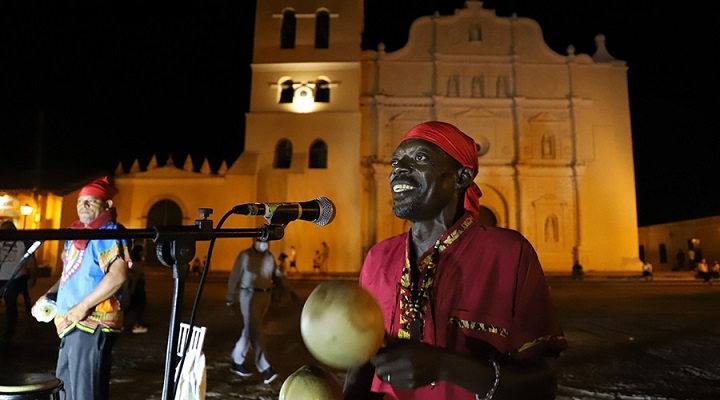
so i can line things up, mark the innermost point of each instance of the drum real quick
(30, 387)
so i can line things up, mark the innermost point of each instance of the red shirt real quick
(487, 286)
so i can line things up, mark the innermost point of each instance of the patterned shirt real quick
(82, 272)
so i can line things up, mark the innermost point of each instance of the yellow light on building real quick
(25, 211)
(303, 100)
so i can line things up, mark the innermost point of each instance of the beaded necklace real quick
(415, 293)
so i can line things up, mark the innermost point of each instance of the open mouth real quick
(402, 187)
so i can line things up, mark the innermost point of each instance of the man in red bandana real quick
(468, 314)
(89, 316)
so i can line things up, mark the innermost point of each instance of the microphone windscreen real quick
(327, 211)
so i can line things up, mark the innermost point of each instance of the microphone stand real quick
(175, 248)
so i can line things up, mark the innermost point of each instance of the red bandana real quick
(99, 188)
(104, 218)
(459, 146)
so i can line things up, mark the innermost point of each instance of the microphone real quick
(320, 211)
(32, 248)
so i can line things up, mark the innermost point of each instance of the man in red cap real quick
(468, 314)
(89, 316)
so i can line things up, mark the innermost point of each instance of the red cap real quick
(99, 188)
(459, 146)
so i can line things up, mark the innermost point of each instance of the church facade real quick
(554, 132)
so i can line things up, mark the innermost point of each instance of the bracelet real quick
(494, 387)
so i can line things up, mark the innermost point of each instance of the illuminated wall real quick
(557, 162)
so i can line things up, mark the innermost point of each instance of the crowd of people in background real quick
(288, 264)
(696, 262)
(702, 269)
(706, 272)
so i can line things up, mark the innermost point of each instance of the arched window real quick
(162, 213)
(322, 30)
(478, 86)
(322, 91)
(318, 154)
(503, 87)
(475, 33)
(453, 86)
(283, 154)
(286, 92)
(287, 32)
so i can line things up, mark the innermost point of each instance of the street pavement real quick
(629, 338)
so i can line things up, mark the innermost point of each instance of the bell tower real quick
(303, 130)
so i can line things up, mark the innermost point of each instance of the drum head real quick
(27, 383)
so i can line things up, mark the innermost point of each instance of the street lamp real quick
(25, 211)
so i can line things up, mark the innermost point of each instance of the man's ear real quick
(465, 177)
(109, 203)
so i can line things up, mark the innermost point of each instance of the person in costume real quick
(468, 314)
(89, 317)
(253, 278)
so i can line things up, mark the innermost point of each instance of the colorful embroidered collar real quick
(415, 295)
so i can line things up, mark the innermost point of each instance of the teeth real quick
(402, 187)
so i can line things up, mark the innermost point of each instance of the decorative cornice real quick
(306, 66)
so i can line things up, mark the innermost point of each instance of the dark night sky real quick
(122, 80)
